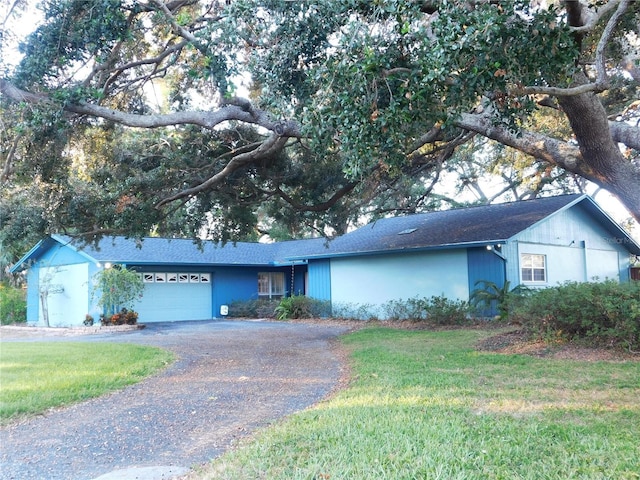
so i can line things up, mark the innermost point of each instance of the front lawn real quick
(38, 376)
(428, 405)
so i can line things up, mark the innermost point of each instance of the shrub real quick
(443, 311)
(354, 311)
(254, 308)
(603, 313)
(300, 306)
(13, 305)
(438, 310)
(414, 309)
(117, 288)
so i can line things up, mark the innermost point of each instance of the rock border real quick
(69, 331)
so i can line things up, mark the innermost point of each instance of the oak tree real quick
(192, 113)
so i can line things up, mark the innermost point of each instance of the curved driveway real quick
(230, 379)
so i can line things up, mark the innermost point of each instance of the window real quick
(533, 267)
(270, 284)
(173, 277)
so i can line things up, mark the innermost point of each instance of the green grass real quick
(38, 376)
(426, 405)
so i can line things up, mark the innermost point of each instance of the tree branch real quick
(622, 132)
(537, 145)
(266, 148)
(602, 81)
(147, 61)
(8, 164)
(316, 207)
(207, 119)
(604, 40)
(177, 28)
(588, 22)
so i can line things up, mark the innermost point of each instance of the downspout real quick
(293, 279)
(583, 245)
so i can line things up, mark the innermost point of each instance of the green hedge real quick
(437, 310)
(13, 305)
(602, 313)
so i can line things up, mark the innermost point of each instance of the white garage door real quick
(170, 297)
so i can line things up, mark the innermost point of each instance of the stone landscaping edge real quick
(80, 330)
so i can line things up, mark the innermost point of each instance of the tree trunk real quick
(601, 155)
(45, 307)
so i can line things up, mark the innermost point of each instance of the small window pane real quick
(263, 284)
(277, 283)
(533, 267)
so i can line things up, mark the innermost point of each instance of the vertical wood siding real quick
(485, 265)
(319, 279)
(577, 248)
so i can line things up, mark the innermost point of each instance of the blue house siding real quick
(485, 265)
(231, 284)
(70, 299)
(319, 279)
(297, 284)
(576, 248)
(236, 284)
(376, 279)
(488, 266)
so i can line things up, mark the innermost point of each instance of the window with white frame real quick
(271, 284)
(533, 267)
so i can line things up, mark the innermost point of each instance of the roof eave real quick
(448, 246)
(20, 264)
(613, 227)
(67, 243)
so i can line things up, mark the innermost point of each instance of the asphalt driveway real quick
(230, 379)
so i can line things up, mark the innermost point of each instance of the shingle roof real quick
(159, 251)
(473, 225)
(443, 229)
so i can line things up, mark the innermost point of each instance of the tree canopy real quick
(191, 116)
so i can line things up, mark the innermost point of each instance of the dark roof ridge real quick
(485, 205)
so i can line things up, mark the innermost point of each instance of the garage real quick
(174, 296)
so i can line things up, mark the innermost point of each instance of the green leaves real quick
(73, 31)
(117, 288)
